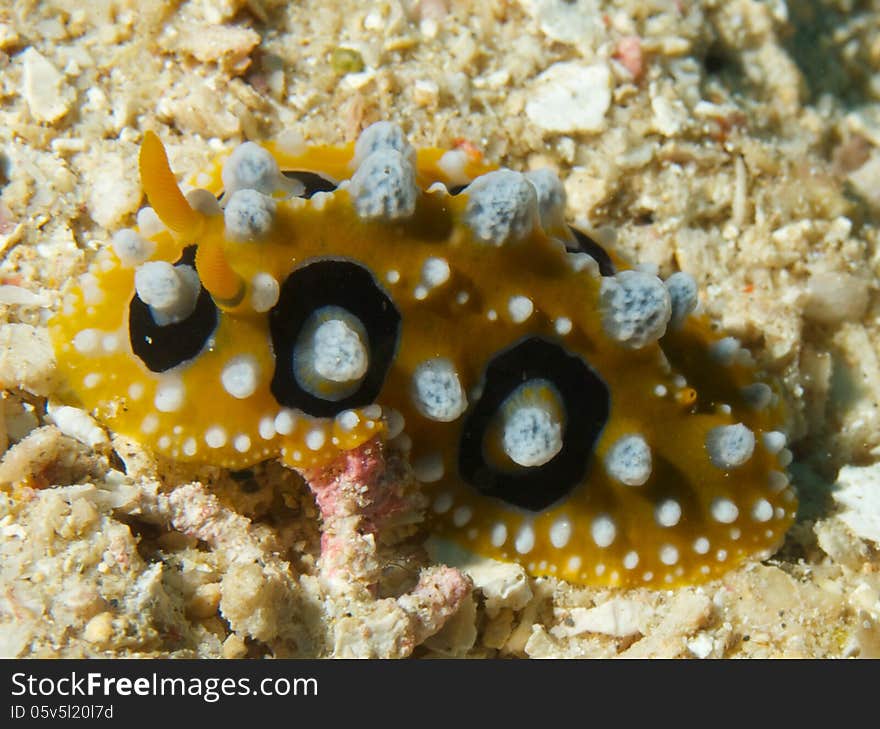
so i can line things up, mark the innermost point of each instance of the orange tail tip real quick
(218, 277)
(162, 191)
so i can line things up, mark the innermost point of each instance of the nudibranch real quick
(564, 410)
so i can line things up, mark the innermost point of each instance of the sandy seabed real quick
(740, 141)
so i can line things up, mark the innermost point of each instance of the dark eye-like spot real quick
(162, 347)
(584, 402)
(312, 181)
(587, 245)
(458, 189)
(334, 333)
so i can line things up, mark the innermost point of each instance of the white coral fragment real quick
(571, 97)
(47, 97)
(77, 424)
(858, 494)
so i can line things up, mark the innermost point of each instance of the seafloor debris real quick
(721, 152)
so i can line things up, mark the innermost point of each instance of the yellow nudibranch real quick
(565, 411)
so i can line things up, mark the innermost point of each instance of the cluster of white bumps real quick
(384, 183)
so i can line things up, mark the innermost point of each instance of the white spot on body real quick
(574, 563)
(724, 511)
(110, 343)
(462, 515)
(204, 201)
(264, 291)
(266, 427)
(150, 424)
(668, 554)
(251, 167)
(373, 411)
(437, 391)
(563, 326)
(520, 308)
(757, 395)
(384, 186)
(340, 355)
(285, 422)
(91, 290)
(701, 545)
(560, 532)
(190, 447)
(502, 206)
(331, 355)
(429, 468)
(382, 135)
(240, 376)
(683, 297)
(349, 419)
(393, 276)
(762, 510)
(635, 308)
(603, 531)
(135, 390)
(498, 535)
(91, 380)
(86, 341)
(148, 222)
(170, 395)
(315, 439)
(774, 441)
(631, 560)
(525, 539)
(394, 422)
(453, 164)
(131, 248)
(725, 350)
(583, 262)
(215, 437)
(249, 215)
(171, 292)
(551, 197)
(442, 503)
(241, 443)
(777, 481)
(435, 272)
(668, 513)
(730, 446)
(629, 460)
(532, 423)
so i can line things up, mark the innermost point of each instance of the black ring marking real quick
(312, 181)
(332, 283)
(587, 403)
(587, 245)
(162, 347)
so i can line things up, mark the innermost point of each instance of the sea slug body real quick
(564, 410)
